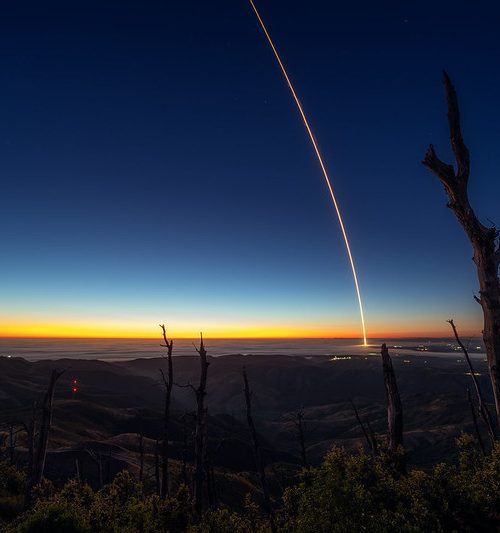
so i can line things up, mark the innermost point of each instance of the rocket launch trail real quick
(321, 163)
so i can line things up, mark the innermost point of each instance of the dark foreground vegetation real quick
(347, 492)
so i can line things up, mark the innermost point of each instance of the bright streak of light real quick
(320, 159)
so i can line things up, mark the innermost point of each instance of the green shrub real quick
(52, 517)
(346, 493)
(360, 493)
(12, 487)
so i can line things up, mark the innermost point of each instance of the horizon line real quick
(205, 337)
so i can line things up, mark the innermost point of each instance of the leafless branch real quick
(168, 344)
(185, 386)
(200, 439)
(164, 379)
(474, 420)
(445, 172)
(257, 452)
(457, 143)
(394, 407)
(168, 382)
(369, 441)
(483, 409)
(483, 239)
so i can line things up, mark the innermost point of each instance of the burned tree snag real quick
(157, 468)
(259, 462)
(368, 433)
(97, 460)
(207, 466)
(373, 438)
(141, 457)
(108, 464)
(394, 407)
(77, 471)
(40, 452)
(482, 407)
(30, 434)
(483, 239)
(474, 421)
(45, 426)
(168, 382)
(184, 450)
(299, 424)
(200, 432)
(12, 443)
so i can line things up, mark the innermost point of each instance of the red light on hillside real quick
(74, 389)
(75, 381)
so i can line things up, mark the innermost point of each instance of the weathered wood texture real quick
(259, 461)
(483, 239)
(168, 382)
(394, 407)
(200, 432)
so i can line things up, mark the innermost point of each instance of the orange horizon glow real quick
(129, 330)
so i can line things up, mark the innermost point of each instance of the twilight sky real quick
(154, 168)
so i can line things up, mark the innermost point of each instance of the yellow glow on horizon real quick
(139, 329)
(83, 330)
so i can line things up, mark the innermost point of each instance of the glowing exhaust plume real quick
(320, 159)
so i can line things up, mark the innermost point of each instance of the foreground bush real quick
(347, 493)
(119, 507)
(12, 486)
(359, 493)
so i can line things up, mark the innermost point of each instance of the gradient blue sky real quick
(154, 167)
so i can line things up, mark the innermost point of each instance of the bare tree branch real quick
(185, 386)
(446, 173)
(372, 446)
(457, 143)
(200, 439)
(40, 451)
(299, 424)
(483, 408)
(168, 382)
(474, 421)
(394, 407)
(482, 238)
(257, 452)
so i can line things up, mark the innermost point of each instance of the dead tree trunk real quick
(394, 407)
(368, 434)
(108, 465)
(43, 436)
(97, 460)
(12, 443)
(77, 471)
(200, 433)
(208, 467)
(483, 239)
(168, 381)
(482, 407)
(30, 432)
(474, 421)
(259, 462)
(373, 438)
(299, 424)
(141, 457)
(184, 451)
(157, 468)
